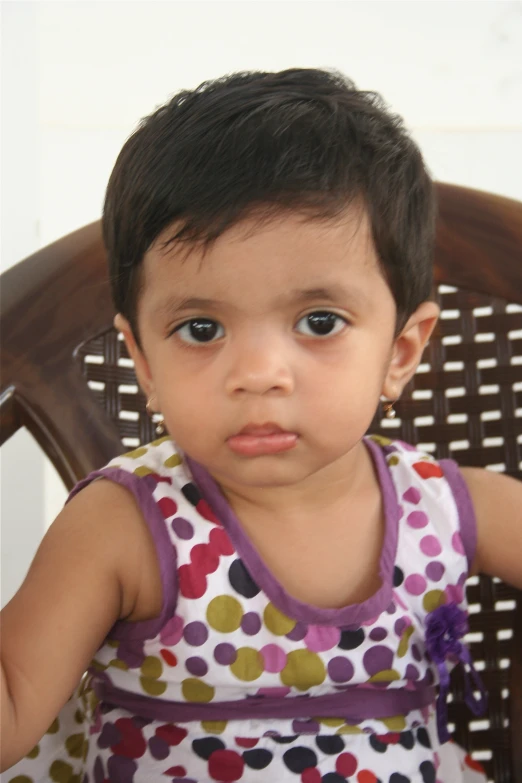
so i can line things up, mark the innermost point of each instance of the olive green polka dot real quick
(98, 666)
(333, 722)
(34, 753)
(117, 664)
(395, 723)
(224, 613)
(173, 461)
(136, 453)
(197, 690)
(112, 643)
(303, 670)
(433, 599)
(277, 622)
(349, 730)
(74, 745)
(214, 726)
(79, 716)
(387, 675)
(248, 665)
(21, 779)
(393, 460)
(61, 772)
(151, 667)
(403, 644)
(153, 687)
(142, 471)
(53, 728)
(161, 440)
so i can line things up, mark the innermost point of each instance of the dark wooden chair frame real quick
(56, 314)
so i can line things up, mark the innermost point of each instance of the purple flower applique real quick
(445, 627)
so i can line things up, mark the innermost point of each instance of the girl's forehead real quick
(286, 246)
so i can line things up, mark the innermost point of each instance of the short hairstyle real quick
(305, 140)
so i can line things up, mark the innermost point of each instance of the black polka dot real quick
(407, 740)
(398, 576)
(423, 738)
(192, 493)
(300, 758)
(285, 740)
(351, 639)
(427, 771)
(241, 580)
(205, 747)
(398, 778)
(333, 777)
(377, 744)
(330, 744)
(258, 758)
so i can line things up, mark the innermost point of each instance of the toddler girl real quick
(264, 593)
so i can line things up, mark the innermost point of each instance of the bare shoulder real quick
(497, 500)
(96, 564)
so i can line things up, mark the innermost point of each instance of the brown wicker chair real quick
(66, 376)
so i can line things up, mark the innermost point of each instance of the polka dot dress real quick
(236, 680)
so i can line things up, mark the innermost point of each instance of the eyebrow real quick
(337, 295)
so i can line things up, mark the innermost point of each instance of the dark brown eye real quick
(200, 330)
(320, 323)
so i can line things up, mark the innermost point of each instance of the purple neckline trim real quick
(465, 509)
(353, 704)
(352, 615)
(165, 552)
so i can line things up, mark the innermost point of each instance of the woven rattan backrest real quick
(68, 378)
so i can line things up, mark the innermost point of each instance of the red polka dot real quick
(169, 657)
(391, 738)
(206, 512)
(219, 542)
(171, 734)
(428, 470)
(204, 559)
(132, 744)
(225, 766)
(311, 775)
(167, 507)
(346, 764)
(178, 772)
(246, 742)
(472, 764)
(192, 584)
(365, 776)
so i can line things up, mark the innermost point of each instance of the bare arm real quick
(96, 564)
(498, 508)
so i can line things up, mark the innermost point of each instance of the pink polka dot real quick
(415, 584)
(454, 593)
(417, 519)
(430, 545)
(274, 658)
(320, 638)
(457, 544)
(412, 495)
(172, 631)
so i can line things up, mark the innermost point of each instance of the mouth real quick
(256, 440)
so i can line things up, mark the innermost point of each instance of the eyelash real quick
(340, 322)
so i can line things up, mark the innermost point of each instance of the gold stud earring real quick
(389, 410)
(160, 424)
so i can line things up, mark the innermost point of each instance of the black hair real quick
(304, 140)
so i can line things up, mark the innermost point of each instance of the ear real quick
(141, 366)
(408, 348)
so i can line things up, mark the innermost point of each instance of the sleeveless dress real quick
(236, 680)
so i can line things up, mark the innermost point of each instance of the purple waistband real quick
(353, 705)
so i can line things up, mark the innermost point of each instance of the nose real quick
(261, 366)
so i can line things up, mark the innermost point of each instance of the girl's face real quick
(267, 355)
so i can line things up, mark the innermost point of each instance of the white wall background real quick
(77, 76)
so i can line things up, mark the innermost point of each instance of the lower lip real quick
(259, 445)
